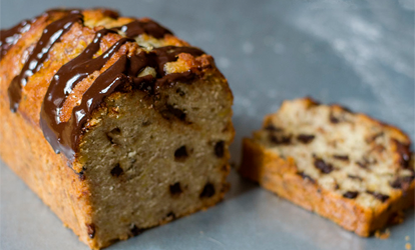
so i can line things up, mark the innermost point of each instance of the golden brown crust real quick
(46, 173)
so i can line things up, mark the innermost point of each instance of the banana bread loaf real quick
(344, 166)
(114, 122)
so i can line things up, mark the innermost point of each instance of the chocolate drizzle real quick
(10, 37)
(149, 27)
(122, 75)
(51, 34)
(65, 80)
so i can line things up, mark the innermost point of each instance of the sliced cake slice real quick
(344, 166)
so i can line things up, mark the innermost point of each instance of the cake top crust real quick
(84, 56)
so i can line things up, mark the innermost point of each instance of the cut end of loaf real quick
(147, 163)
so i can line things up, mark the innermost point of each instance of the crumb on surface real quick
(408, 246)
(398, 218)
(407, 238)
(383, 234)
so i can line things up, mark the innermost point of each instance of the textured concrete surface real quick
(357, 53)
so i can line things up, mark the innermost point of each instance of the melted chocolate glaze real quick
(66, 79)
(51, 34)
(122, 75)
(9, 37)
(150, 27)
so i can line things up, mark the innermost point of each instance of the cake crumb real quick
(383, 234)
(407, 237)
(398, 218)
(408, 246)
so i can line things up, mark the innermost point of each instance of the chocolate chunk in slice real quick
(341, 157)
(350, 194)
(306, 177)
(175, 189)
(90, 230)
(355, 177)
(181, 153)
(305, 138)
(402, 182)
(208, 191)
(220, 149)
(379, 196)
(135, 230)
(403, 151)
(117, 170)
(324, 167)
(280, 139)
(272, 128)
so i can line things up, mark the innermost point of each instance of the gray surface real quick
(357, 53)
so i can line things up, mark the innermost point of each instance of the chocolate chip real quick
(117, 170)
(181, 153)
(180, 92)
(208, 191)
(220, 149)
(341, 157)
(305, 138)
(402, 182)
(171, 215)
(116, 131)
(90, 229)
(82, 174)
(350, 194)
(135, 230)
(146, 123)
(272, 128)
(333, 119)
(171, 111)
(112, 134)
(175, 189)
(354, 177)
(363, 165)
(323, 166)
(280, 139)
(306, 177)
(379, 196)
(403, 151)
(110, 13)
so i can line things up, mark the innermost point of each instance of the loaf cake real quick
(347, 167)
(114, 122)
